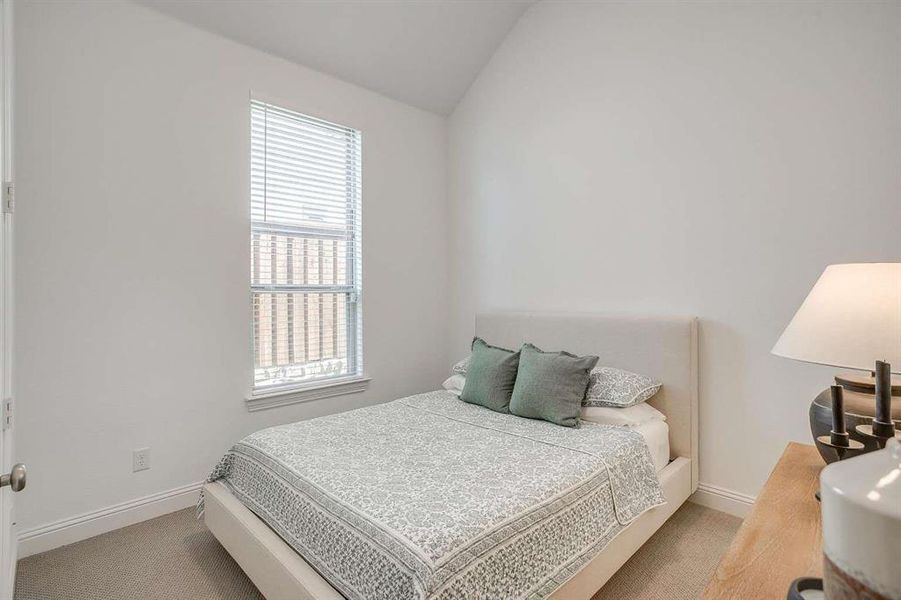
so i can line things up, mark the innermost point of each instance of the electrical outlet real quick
(140, 459)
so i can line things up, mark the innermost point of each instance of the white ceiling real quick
(422, 52)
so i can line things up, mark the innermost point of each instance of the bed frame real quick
(663, 347)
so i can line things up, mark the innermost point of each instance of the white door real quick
(14, 479)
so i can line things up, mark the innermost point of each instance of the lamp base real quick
(860, 408)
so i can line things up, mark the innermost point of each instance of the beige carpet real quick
(678, 560)
(174, 557)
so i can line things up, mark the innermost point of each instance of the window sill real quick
(305, 393)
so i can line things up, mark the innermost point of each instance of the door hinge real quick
(7, 413)
(9, 202)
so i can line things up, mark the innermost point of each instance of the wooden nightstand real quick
(781, 539)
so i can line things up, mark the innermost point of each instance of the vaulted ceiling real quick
(422, 52)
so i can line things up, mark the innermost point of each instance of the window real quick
(305, 250)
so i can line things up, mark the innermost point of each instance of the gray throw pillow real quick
(490, 376)
(551, 385)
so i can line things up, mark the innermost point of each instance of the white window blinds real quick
(305, 248)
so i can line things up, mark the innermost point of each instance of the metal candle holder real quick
(882, 427)
(839, 439)
(869, 432)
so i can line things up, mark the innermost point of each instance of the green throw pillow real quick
(490, 376)
(551, 385)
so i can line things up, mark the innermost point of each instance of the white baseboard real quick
(727, 501)
(86, 525)
(83, 526)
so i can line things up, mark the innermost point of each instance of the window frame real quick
(355, 380)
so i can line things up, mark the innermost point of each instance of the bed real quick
(327, 509)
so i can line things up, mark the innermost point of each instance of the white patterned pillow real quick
(617, 388)
(461, 367)
(454, 384)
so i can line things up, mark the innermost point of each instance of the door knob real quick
(15, 479)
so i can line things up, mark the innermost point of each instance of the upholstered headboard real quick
(662, 347)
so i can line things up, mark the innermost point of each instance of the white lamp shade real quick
(850, 319)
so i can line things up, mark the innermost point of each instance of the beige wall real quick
(692, 158)
(683, 157)
(133, 307)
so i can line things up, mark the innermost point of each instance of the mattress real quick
(656, 436)
(428, 497)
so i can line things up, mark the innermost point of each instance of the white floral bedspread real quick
(431, 497)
